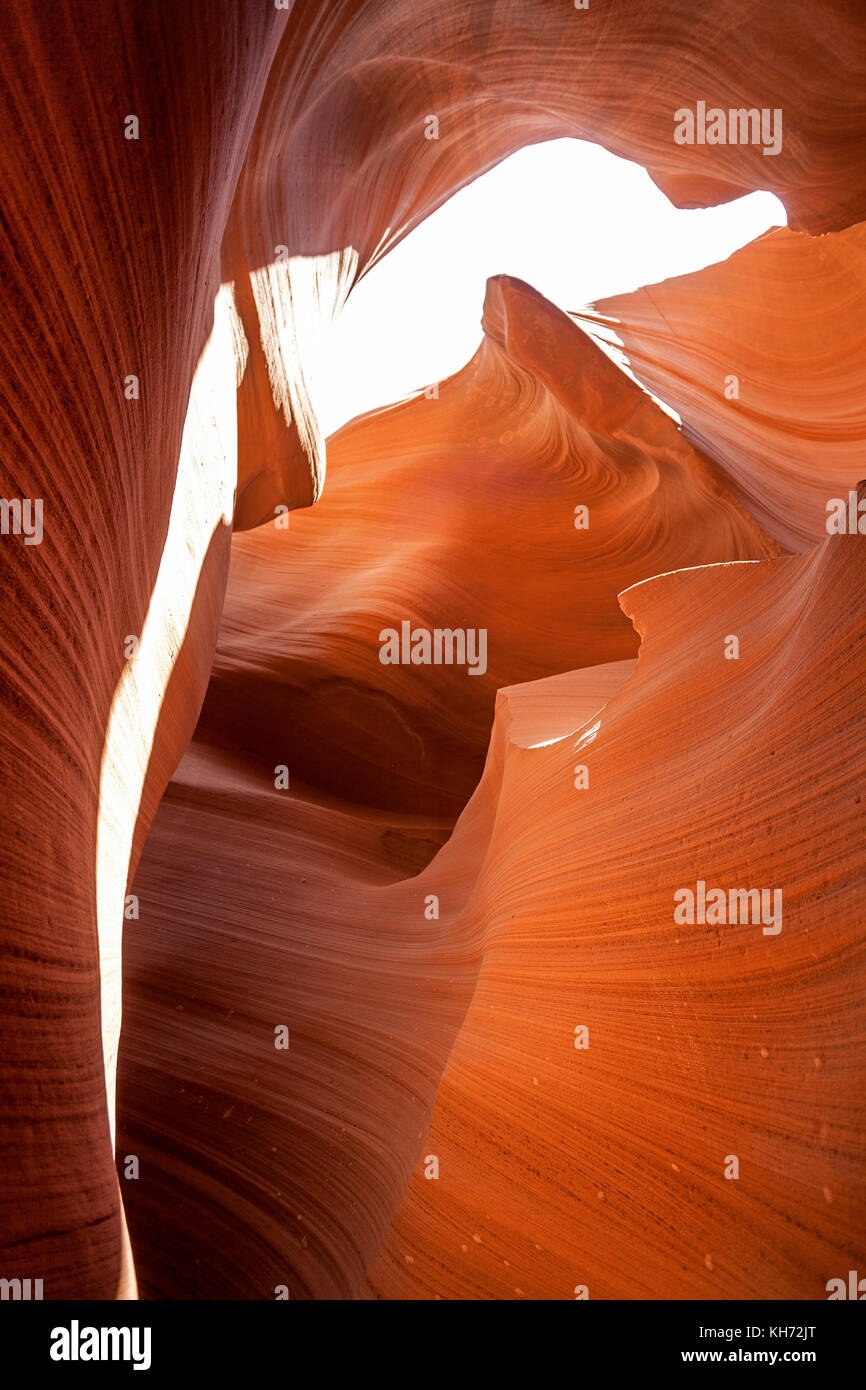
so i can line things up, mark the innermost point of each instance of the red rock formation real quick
(432, 511)
(295, 1161)
(110, 271)
(431, 508)
(764, 358)
(557, 1166)
(604, 1166)
(375, 113)
(161, 258)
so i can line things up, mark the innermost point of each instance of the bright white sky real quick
(568, 217)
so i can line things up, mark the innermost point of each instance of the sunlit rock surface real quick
(604, 1165)
(556, 903)
(538, 483)
(376, 112)
(110, 271)
(186, 199)
(764, 358)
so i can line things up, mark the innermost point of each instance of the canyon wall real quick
(187, 196)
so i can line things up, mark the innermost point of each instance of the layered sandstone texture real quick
(764, 358)
(189, 193)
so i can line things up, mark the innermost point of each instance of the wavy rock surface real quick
(558, 1167)
(262, 907)
(375, 113)
(764, 358)
(460, 512)
(604, 1166)
(278, 153)
(295, 1161)
(109, 272)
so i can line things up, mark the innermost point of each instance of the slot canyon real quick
(360, 978)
